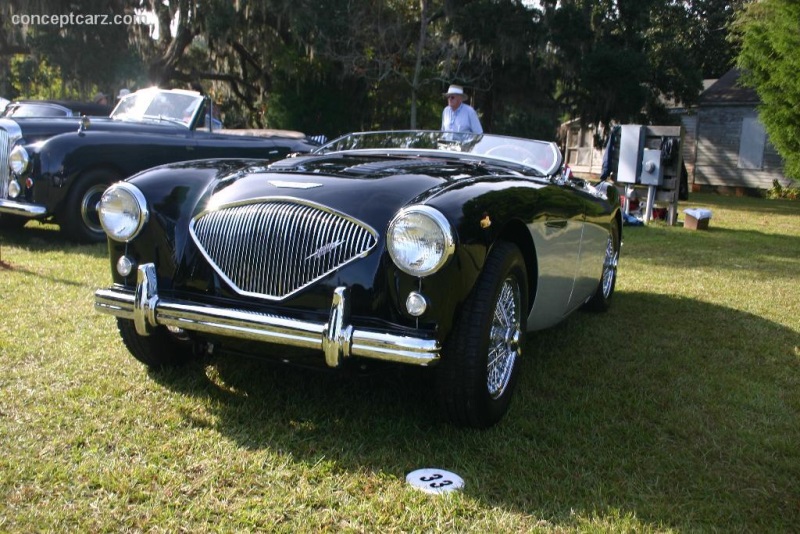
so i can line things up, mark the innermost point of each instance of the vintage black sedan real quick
(56, 168)
(419, 248)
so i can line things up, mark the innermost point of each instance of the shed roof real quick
(727, 91)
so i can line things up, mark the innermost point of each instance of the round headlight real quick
(18, 160)
(420, 240)
(123, 211)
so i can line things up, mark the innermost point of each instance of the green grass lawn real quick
(677, 411)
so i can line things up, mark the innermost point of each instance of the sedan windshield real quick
(543, 156)
(173, 106)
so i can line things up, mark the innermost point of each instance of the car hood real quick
(37, 129)
(34, 129)
(369, 189)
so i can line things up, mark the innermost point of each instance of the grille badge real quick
(325, 249)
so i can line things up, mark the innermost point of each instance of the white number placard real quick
(431, 480)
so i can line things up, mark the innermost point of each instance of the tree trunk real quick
(423, 32)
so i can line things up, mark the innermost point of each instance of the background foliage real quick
(770, 34)
(338, 65)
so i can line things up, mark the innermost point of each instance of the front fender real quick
(68, 155)
(481, 212)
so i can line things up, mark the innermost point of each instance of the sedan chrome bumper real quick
(13, 207)
(337, 339)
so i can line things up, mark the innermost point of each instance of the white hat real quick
(455, 90)
(123, 92)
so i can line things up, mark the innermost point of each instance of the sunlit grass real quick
(677, 411)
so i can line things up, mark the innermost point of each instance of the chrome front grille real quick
(5, 148)
(272, 248)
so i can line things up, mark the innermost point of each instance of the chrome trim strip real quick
(24, 210)
(337, 336)
(336, 339)
(145, 300)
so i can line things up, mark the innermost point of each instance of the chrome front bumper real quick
(336, 339)
(13, 207)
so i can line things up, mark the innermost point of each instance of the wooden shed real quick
(726, 147)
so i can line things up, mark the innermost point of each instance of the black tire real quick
(12, 222)
(160, 350)
(78, 217)
(474, 388)
(601, 300)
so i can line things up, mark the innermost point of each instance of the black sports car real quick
(56, 168)
(417, 247)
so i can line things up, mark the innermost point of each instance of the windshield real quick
(543, 156)
(173, 106)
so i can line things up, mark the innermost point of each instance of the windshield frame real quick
(543, 157)
(174, 106)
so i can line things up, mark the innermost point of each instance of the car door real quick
(594, 241)
(216, 145)
(557, 233)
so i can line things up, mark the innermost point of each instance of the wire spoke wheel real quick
(610, 267)
(504, 344)
(483, 353)
(601, 299)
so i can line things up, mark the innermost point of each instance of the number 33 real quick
(434, 478)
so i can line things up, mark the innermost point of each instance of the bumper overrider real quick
(336, 339)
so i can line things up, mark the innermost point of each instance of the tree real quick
(81, 44)
(620, 60)
(706, 38)
(336, 65)
(769, 35)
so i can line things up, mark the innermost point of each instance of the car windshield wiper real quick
(164, 118)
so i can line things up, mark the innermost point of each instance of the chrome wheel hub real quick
(609, 267)
(505, 336)
(89, 204)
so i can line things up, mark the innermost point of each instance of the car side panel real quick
(599, 214)
(221, 146)
(592, 254)
(64, 158)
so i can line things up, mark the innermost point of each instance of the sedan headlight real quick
(420, 240)
(18, 160)
(123, 211)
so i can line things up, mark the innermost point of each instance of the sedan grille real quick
(5, 147)
(275, 247)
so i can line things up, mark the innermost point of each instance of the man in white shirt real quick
(458, 116)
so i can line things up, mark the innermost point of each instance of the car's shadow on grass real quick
(660, 409)
(40, 237)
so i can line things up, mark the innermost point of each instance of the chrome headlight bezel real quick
(19, 160)
(122, 211)
(420, 240)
